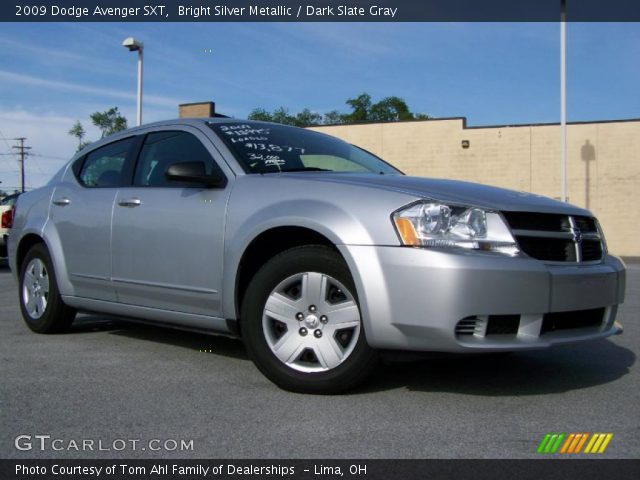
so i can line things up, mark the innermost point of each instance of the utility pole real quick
(23, 151)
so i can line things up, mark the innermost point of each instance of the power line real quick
(5, 141)
(40, 166)
(52, 157)
(37, 165)
(12, 167)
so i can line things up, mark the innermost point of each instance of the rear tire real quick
(40, 303)
(301, 323)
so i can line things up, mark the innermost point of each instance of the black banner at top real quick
(318, 11)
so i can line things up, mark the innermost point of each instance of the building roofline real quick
(439, 119)
(475, 127)
(550, 124)
(195, 103)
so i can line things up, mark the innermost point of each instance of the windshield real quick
(271, 148)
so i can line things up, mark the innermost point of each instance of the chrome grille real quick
(556, 238)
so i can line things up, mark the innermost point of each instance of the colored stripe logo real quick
(573, 443)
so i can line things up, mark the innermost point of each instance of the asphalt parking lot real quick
(109, 380)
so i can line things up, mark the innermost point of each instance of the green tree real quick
(390, 109)
(361, 107)
(307, 118)
(109, 122)
(260, 114)
(333, 117)
(79, 132)
(281, 115)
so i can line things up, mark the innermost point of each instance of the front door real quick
(167, 237)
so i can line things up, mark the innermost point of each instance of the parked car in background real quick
(6, 220)
(315, 252)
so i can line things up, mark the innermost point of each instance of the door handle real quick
(130, 202)
(62, 201)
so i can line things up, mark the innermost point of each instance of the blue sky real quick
(54, 74)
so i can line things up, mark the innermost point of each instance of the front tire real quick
(301, 323)
(40, 303)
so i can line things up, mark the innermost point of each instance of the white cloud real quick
(59, 58)
(21, 79)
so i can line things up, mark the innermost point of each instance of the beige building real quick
(603, 162)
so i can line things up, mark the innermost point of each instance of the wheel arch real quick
(25, 244)
(49, 238)
(265, 246)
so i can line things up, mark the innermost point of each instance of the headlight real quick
(430, 224)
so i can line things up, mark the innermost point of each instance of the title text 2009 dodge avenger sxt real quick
(315, 252)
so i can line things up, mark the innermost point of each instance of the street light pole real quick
(563, 100)
(139, 109)
(136, 46)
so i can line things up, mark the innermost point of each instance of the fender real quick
(332, 222)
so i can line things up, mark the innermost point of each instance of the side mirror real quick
(195, 172)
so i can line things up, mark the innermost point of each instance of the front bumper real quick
(415, 299)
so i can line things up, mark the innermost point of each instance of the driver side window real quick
(163, 149)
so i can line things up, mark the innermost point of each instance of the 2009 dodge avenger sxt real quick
(315, 252)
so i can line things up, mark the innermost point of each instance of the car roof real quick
(194, 122)
(189, 121)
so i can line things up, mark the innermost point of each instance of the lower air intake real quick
(571, 320)
(503, 324)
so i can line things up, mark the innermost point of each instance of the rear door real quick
(167, 237)
(81, 213)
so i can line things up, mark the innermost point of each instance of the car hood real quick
(451, 191)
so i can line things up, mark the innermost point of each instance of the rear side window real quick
(163, 149)
(104, 166)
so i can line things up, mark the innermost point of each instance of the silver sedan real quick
(315, 252)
